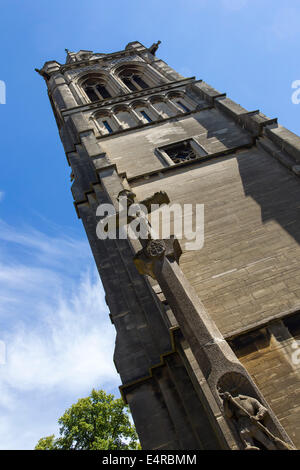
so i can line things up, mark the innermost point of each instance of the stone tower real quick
(225, 317)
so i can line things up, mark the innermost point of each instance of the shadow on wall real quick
(274, 188)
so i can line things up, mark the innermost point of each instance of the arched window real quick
(144, 114)
(182, 102)
(161, 106)
(133, 79)
(124, 116)
(95, 88)
(105, 122)
(182, 106)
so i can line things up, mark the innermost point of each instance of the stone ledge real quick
(206, 91)
(223, 153)
(268, 146)
(260, 324)
(285, 139)
(253, 121)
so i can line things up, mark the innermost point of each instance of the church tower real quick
(207, 337)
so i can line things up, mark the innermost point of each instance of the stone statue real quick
(43, 74)
(154, 47)
(249, 416)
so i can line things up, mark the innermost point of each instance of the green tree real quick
(98, 422)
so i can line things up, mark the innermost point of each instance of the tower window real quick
(131, 77)
(103, 91)
(91, 94)
(107, 126)
(140, 81)
(129, 84)
(145, 115)
(95, 90)
(183, 106)
(181, 152)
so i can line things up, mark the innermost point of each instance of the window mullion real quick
(136, 84)
(97, 92)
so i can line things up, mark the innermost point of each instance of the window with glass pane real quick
(107, 126)
(145, 115)
(183, 106)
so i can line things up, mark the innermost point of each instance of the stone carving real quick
(138, 211)
(154, 47)
(182, 153)
(128, 197)
(154, 251)
(43, 74)
(249, 416)
(159, 198)
(78, 73)
(131, 58)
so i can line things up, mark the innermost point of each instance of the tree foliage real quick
(98, 422)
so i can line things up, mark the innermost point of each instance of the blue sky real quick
(53, 318)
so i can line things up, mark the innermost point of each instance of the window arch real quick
(144, 111)
(124, 117)
(161, 105)
(181, 101)
(95, 88)
(133, 77)
(106, 123)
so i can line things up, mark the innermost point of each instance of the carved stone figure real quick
(153, 251)
(43, 73)
(154, 47)
(249, 416)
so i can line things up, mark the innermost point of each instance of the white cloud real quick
(53, 249)
(1, 195)
(58, 335)
(69, 345)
